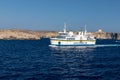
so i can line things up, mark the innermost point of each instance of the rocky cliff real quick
(106, 35)
(17, 34)
(27, 34)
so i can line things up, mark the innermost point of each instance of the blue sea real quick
(35, 60)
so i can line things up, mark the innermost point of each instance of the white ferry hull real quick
(73, 42)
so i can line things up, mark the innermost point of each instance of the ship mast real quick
(85, 29)
(64, 27)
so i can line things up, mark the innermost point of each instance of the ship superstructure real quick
(82, 38)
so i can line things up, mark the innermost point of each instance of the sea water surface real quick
(35, 60)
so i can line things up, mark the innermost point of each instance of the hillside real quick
(24, 34)
(28, 34)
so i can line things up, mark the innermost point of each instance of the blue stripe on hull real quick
(75, 45)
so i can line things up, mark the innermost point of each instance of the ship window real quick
(60, 37)
(70, 38)
(62, 34)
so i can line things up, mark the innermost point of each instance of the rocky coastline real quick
(36, 35)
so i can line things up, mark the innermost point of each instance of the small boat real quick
(64, 38)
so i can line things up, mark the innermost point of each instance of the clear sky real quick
(51, 14)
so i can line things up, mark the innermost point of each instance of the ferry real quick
(64, 38)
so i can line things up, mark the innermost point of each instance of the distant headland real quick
(35, 35)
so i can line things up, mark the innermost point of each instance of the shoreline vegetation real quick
(36, 35)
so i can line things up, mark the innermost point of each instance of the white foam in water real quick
(117, 41)
(107, 45)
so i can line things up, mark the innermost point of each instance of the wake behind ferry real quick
(64, 38)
